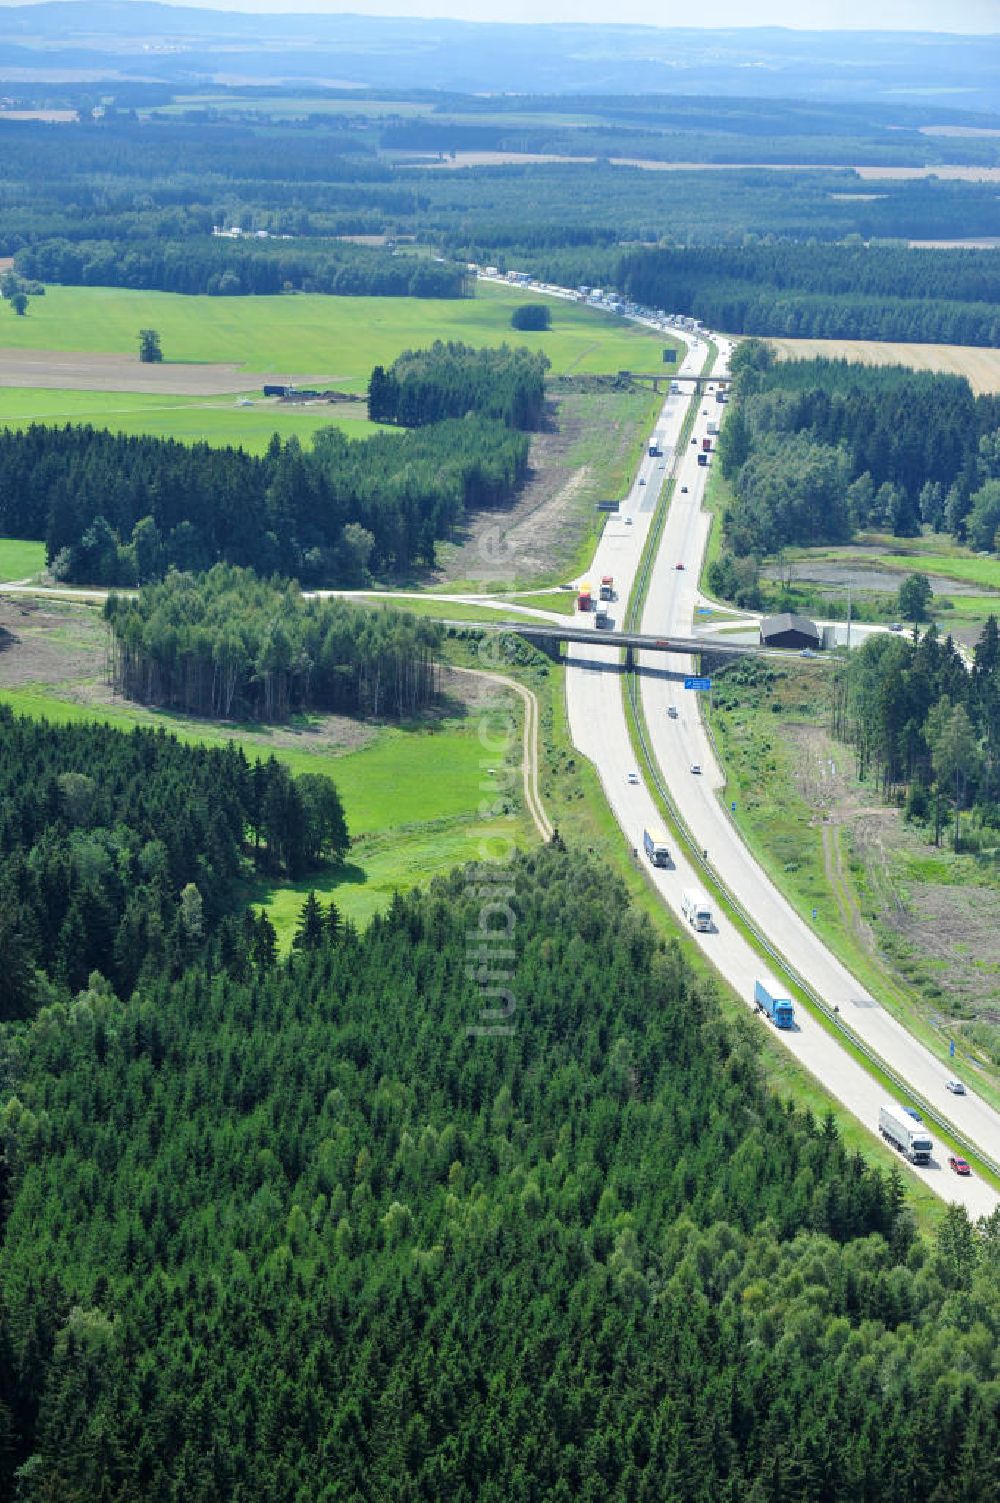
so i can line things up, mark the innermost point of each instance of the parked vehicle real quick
(959, 1165)
(778, 1009)
(899, 1129)
(696, 909)
(654, 843)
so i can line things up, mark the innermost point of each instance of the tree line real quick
(119, 510)
(819, 291)
(121, 853)
(926, 728)
(221, 267)
(296, 1233)
(226, 644)
(450, 380)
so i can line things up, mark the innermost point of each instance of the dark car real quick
(959, 1165)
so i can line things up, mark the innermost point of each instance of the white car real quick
(628, 521)
(632, 777)
(955, 1087)
(696, 767)
(672, 711)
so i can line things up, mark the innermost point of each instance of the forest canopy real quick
(118, 510)
(227, 644)
(302, 1235)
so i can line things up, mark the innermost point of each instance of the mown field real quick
(210, 420)
(342, 338)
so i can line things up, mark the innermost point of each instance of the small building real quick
(789, 630)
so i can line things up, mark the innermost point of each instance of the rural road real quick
(598, 727)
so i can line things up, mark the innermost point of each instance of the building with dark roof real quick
(789, 630)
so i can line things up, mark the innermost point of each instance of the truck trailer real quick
(706, 445)
(654, 843)
(703, 459)
(602, 612)
(778, 1009)
(696, 909)
(584, 599)
(903, 1133)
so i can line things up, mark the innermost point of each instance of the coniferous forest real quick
(227, 644)
(120, 854)
(117, 510)
(287, 1230)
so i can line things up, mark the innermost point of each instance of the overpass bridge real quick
(550, 636)
(656, 378)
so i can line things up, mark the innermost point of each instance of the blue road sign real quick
(733, 807)
(701, 684)
(951, 1048)
(814, 913)
(703, 610)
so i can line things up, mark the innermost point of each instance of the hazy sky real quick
(880, 15)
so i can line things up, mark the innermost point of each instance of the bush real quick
(531, 316)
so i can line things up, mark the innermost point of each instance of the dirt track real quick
(59, 369)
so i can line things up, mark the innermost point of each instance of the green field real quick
(338, 338)
(210, 420)
(19, 560)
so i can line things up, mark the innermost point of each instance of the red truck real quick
(584, 599)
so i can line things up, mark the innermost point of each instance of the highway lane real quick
(678, 744)
(598, 727)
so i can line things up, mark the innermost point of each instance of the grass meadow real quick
(340, 338)
(20, 560)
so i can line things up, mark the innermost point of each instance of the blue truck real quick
(778, 1009)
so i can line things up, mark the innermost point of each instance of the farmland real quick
(981, 367)
(338, 339)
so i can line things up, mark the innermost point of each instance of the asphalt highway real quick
(599, 729)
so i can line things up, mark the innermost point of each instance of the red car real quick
(959, 1165)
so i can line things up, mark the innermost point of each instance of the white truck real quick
(654, 843)
(697, 909)
(713, 427)
(906, 1134)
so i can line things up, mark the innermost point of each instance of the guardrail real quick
(760, 940)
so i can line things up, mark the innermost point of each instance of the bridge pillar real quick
(552, 648)
(629, 658)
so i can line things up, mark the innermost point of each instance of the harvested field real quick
(61, 369)
(980, 365)
(54, 117)
(946, 174)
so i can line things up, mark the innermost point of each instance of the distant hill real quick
(175, 44)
